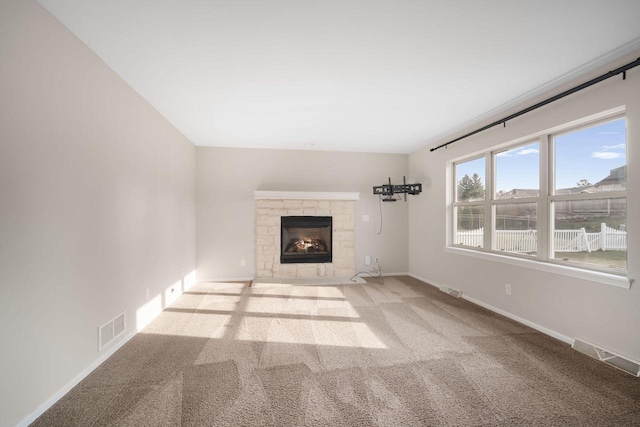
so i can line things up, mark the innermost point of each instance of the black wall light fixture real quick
(386, 192)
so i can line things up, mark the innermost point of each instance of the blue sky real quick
(585, 154)
(590, 153)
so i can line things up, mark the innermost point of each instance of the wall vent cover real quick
(111, 330)
(623, 363)
(453, 292)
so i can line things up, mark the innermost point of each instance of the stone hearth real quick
(271, 206)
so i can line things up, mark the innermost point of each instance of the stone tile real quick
(274, 230)
(292, 204)
(264, 273)
(279, 204)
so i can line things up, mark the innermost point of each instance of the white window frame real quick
(553, 197)
(546, 196)
(482, 203)
(516, 200)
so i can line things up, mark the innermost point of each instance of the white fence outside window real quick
(564, 240)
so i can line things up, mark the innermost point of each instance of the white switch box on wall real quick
(367, 260)
(365, 218)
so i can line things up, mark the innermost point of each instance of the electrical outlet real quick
(365, 218)
(507, 289)
(146, 294)
(243, 263)
(367, 260)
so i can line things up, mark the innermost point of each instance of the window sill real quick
(592, 276)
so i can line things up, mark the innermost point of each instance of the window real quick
(515, 201)
(559, 198)
(588, 204)
(469, 199)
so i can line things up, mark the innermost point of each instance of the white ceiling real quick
(344, 75)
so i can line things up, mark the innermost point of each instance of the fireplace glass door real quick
(305, 239)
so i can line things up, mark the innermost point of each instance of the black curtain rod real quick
(606, 76)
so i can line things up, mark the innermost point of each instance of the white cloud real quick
(504, 154)
(526, 151)
(613, 147)
(609, 133)
(606, 155)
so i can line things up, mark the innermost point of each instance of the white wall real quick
(227, 178)
(97, 204)
(604, 314)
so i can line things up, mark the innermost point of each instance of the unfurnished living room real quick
(309, 213)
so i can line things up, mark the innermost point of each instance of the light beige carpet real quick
(390, 352)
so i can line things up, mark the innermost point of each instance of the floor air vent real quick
(453, 292)
(615, 360)
(111, 330)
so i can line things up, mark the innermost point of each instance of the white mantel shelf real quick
(306, 195)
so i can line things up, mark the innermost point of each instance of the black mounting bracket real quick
(387, 191)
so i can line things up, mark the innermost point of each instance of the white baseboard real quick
(226, 279)
(395, 274)
(519, 319)
(74, 382)
(249, 279)
(504, 313)
(310, 281)
(422, 279)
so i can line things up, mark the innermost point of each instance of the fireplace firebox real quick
(305, 239)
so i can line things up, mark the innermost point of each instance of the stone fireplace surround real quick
(272, 205)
